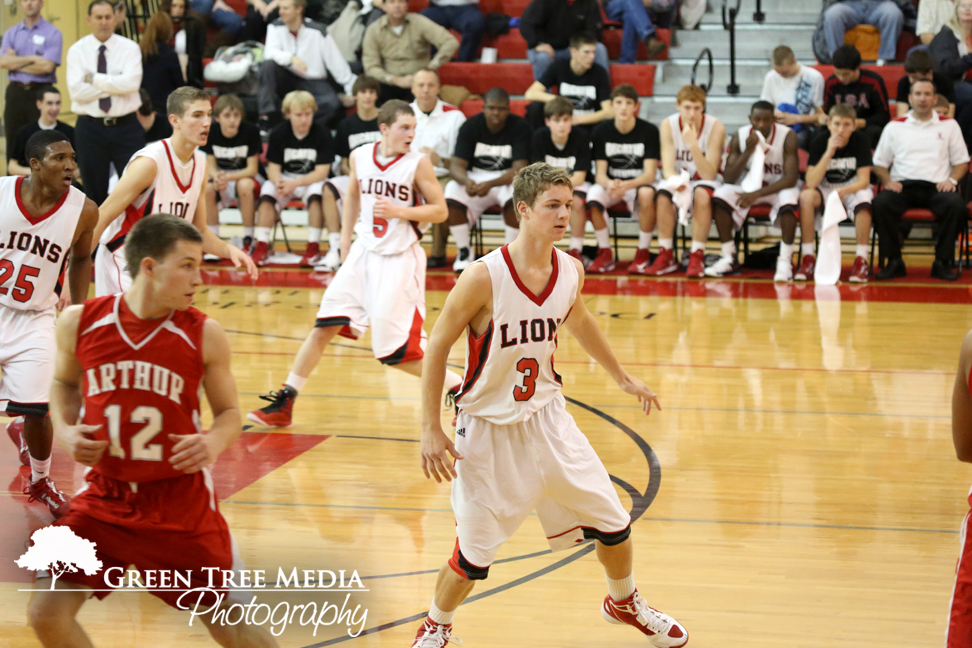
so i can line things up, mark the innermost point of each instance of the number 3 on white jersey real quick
(152, 418)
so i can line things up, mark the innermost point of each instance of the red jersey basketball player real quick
(43, 220)
(139, 361)
(517, 449)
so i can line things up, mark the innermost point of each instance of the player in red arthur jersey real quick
(139, 358)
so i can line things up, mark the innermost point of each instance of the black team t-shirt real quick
(352, 132)
(485, 150)
(626, 152)
(843, 166)
(231, 153)
(19, 150)
(575, 156)
(300, 156)
(586, 91)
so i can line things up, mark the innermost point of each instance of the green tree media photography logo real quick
(57, 550)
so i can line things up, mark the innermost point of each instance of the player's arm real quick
(962, 404)
(79, 267)
(352, 207)
(506, 178)
(736, 162)
(212, 167)
(600, 173)
(791, 168)
(596, 117)
(582, 326)
(471, 299)
(193, 452)
(345, 166)
(708, 164)
(458, 168)
(816, 172)
(863, 181)
(537, 92)
(433, 211)
(273, 172)
(136, 178)
(212, 244)
(667, 150)
(249, 171)
(647, 177)
(577, 178)
(16, 168)
(65, 398)
(319, 174)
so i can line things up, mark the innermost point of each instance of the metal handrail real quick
(729, 22)
(758, 15)
(698, 59)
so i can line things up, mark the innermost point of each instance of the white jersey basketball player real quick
(775, 182)
(45, 226)
(517, 449)
(168, 176)
(392, 196)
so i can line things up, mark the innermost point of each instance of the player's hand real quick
(436, 448)
(432, 155)
(287, 186)
(631, 385)
(752, 140)
(689, 136)
(835, 142)
(240, 258)
(746, 200)
(298, 64)
(346, 100)
(193, 452)
(478, 189)
(220, 182)
(546, 49)
(785, 118)
(386, 209)
(615, 189)
(64, 301)
(79, 441)
(896, 187)
(947, 187)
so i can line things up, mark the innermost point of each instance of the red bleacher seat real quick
(890, 73)
(515, 78)
(416, 6)
(239, 6)
(612, 40)
(641, 76)
(475, 106)
(512, 8)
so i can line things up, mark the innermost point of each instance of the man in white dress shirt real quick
(104, 73)
(299, 55)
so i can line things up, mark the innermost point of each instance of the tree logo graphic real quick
(56, 549)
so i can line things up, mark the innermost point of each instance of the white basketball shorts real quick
(729, 194)
(111, 272)
(476, 205)
(598, 194)
(303, 193)
(852, 202)
(27, 348)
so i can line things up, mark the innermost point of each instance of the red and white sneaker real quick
(696, 265)
(663, 631)
(312, 255)
(664, 263)
(807, 265)
(278, 413)
(639, 265)
(433, 635)
(603, 262)
(860, 273)
(261, 253)
(45, 492)
(15, 430)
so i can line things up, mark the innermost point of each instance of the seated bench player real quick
(299, 156)
(562, 146)
(781, 173)
(626, 152)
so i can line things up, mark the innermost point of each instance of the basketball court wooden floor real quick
(799, 488)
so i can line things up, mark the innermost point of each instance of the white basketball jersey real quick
(773, 165)
(510, 368)
(683, 154)
(34, 251)
(175, 191)
(393, 180)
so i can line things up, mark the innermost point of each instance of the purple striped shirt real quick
(42, 39)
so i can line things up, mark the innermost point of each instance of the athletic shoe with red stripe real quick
(312, 255)
(278, 413)
(861, 272)
(45, 492)
(696, 265)
(639, 265)
(433, 635)
(663, 631)
(604, 262)
(15, 430)
(261, 253)
(807, 266)
(664, 263)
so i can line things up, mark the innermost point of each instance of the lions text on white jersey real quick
(34, 251)
(394, 180)
(683, 154)
(509, 368)
(175, 191)
(773, 165)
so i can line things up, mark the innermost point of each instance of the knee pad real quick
(465, 568)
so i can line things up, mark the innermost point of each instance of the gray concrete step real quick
(678, 72)
(750, 44)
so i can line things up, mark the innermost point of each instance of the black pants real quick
(20, 109)
(99, 146)
(949, 210)
(277, 81)
(389, 92)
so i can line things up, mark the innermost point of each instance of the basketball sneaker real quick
(639, 265)
(45, 492)
(784, 269)
(663, 631)
(311, 255)
(463, 259)
(433, 635)
(248, 244)
(860, 273)
(696, 265)
(330, 261)
(212, 258)
(279, 411)
(15, 429)
(576, 254)
(807, 265)
(603, 262)
(664, 263)
(723, 267)
(261, 253)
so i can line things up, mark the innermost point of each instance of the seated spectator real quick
(781, 172)
(862, 90)
(399, 44)
(156, 127)
(920, 160)
(233, 159)
(161, 71)
(626, 151)
(300, 55)
(579, 79)
(919, 65)
(437, 127)
(942, 107)
(691, 143)
(953, 60)
(49, 105)
(220, 15)
(640, 18)
(560, 145)
(886, 15)
(840, 160)
(492, 146)
(355, 130)
(259, 14)
(299, 156)
(465, 17)
(797, 93)
(932, 16)
(548, 26)
(189, 41)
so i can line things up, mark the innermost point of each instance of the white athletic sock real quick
(698, 245)
(644, 240)
(452, 380)
(862, 251)
(314, 234)
(214, 229)
(263, 234)
(248, 231)
(440, 617)
(334, 240)
(460, 234)
(621, 589)
(576, 243)
(786, 251)
(667, 243)
(39, 469)
(603, 238)
(295, 381)
(729, 249)
(807, 248)
(510, 233)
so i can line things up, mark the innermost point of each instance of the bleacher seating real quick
(640, 75)
(612, 40)
(475, 106)
(515, 78)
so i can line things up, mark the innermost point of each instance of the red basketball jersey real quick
(141, 383)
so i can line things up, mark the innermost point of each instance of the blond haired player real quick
(517, 449)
